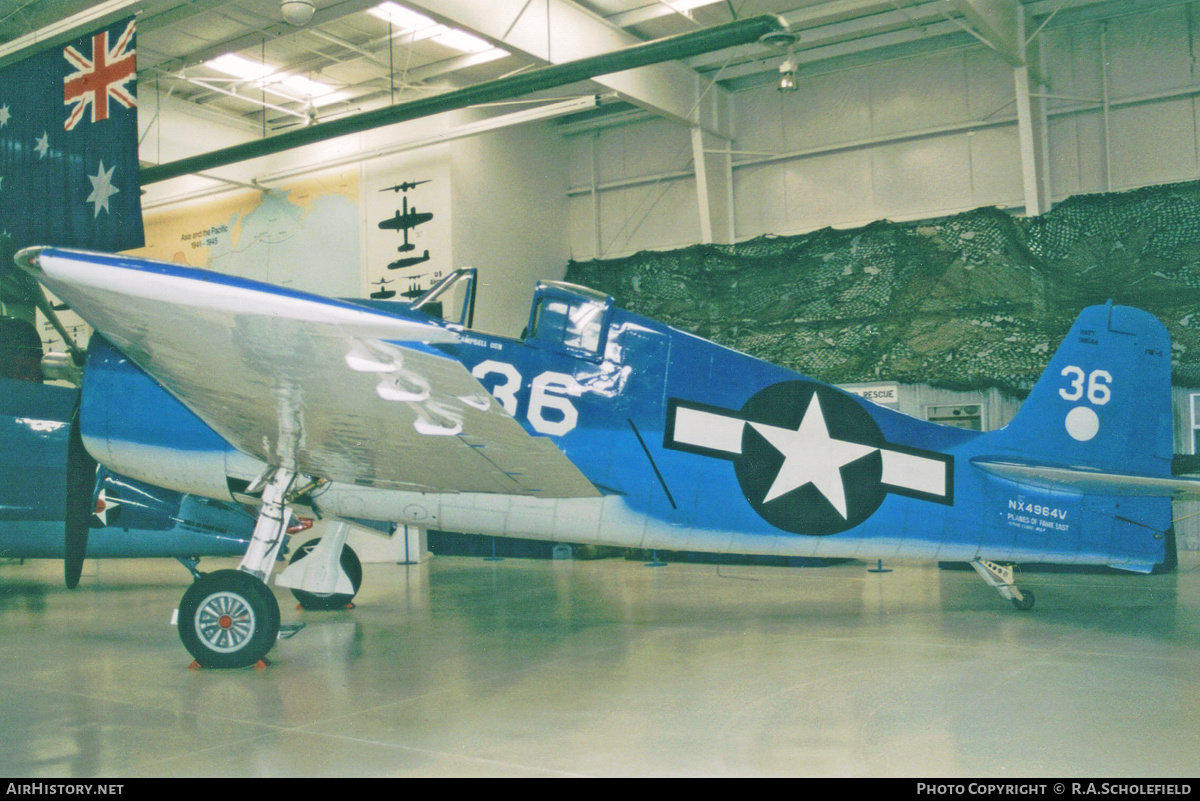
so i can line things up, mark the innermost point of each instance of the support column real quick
(1031, 125)
(714, 186)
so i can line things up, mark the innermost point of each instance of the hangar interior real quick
(878, 123)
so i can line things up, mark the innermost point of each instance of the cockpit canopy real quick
(569, 318)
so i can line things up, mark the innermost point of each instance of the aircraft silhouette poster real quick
(408, 231)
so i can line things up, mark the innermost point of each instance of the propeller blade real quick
(81, 485)
(48, 309)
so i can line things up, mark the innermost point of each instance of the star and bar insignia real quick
(809, 459)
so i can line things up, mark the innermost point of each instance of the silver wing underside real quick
(325, 388)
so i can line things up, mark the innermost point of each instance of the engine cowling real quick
(133, 426)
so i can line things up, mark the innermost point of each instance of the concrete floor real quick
(533, 668)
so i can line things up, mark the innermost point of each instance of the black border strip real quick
(646, 450)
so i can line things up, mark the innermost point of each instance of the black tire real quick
(1026, 602)
(317, 602)
(228, 619)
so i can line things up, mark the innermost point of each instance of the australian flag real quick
(69, 145)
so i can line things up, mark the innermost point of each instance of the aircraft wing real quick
(323, 387)
(1093, 482)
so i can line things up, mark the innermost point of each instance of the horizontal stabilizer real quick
(1087, 481)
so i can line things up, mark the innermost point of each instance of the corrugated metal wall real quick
(909, 137)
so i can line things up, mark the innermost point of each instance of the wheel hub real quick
(225, 621)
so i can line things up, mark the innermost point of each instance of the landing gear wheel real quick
(228, 619)
(316, 602)
(1026, 602)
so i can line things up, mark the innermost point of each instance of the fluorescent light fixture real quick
(410, 24)
(404, 19)
(305, 86)
(264, 76)
(687, 5)
(461, 40)
(238, 67)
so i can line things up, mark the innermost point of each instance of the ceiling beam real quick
(67, 29)
(767, 65)
(629, 58)
(326, 13)
(837, 11)
(634, 16)
(995, 23)
(814, 31)
(553, 31)
(178, 14)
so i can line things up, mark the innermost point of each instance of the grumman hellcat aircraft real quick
(599, 426)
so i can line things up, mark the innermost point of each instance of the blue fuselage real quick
(692, 447)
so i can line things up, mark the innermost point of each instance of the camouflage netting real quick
(977, 300)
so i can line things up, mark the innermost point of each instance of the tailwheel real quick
(1026, 601)
(228, 619)
(323, 602)
(1002, 578)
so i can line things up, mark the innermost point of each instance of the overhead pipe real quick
(684, 45)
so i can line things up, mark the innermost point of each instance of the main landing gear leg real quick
(1001, 577)
(230, 618)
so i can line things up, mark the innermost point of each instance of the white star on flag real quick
(4, 115)
(811, 456)
(43, 145)
(102, 189)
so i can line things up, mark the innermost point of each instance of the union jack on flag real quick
(69, 145)
(100, 77)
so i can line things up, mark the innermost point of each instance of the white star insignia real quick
(104, 505)
(811, 456)
(102, 189)
(4, 115)
(43, 145)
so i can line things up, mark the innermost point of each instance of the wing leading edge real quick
(319, 386)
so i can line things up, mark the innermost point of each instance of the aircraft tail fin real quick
(1104, 402)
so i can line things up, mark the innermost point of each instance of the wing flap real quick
(319, 386)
